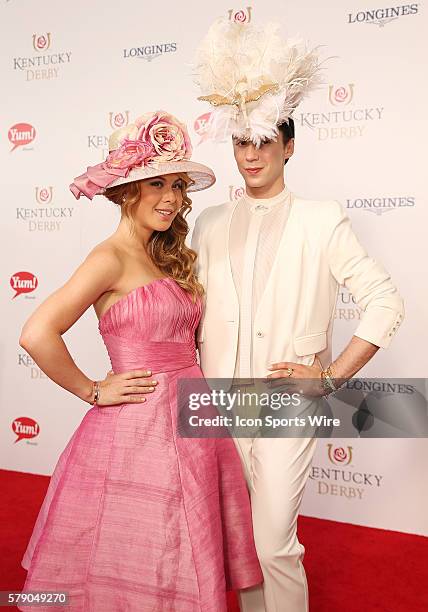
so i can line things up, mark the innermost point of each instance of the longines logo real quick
(25, 361)
(381, 205)
(382, 16)
(202, 125)
(240, 15)
(25, 428)
(150, 52)
(42, 66)
(44, 217)
(344, 121)
(235, 192)
(23, 282)
(337, 481)
(376, 387)
(21, 134)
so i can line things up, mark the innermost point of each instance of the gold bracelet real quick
(96, 392)
(327, 380)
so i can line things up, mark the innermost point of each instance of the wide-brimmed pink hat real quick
(155, 144)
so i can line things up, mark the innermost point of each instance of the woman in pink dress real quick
(136, 517)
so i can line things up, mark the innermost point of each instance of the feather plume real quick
(253, 78)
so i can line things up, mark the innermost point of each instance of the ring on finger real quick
(289, 371)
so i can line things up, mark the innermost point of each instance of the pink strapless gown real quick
(136, 517)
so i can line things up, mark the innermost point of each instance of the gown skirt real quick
(136, 517)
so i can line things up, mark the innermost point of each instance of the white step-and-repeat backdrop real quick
(73, 72)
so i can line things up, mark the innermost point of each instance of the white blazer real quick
(317, 253)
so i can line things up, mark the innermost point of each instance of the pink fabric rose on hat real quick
(168, 136)
(130, 153)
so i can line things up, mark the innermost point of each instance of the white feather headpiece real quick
(253, 78)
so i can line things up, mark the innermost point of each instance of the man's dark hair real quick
(287, 131)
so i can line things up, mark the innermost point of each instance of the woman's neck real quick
(132, 236)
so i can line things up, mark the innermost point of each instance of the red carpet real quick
(349, 568)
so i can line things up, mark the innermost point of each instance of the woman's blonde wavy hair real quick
(167, 249)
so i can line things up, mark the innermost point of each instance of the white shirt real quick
(255, 233)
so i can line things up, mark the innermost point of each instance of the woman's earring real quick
(123, 200)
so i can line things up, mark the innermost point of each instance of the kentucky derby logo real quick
(46, 216)
(340, 96)
(42, 42)
(21, 134)
(42, 66)
(339, 455)
(235, 192)
(23, 282)
(382, 16)
(118, 120)
(342, 479)
(344, 120)
(44, 195)
(150, 52)
(32, 370)
(240, 16)
(346, 307)
(25, 428)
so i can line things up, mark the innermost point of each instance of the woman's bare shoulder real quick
(108, 256)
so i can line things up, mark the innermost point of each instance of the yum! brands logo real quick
(25, 428)
(23, 282)
(21, 134)
(202, 126)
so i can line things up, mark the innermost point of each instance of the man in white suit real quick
(271, 264)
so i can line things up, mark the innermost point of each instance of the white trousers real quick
(276, 470)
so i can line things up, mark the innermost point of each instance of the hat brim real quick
(202, 176)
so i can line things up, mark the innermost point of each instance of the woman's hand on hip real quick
(126, 388)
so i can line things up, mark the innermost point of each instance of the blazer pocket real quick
(310, 344)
